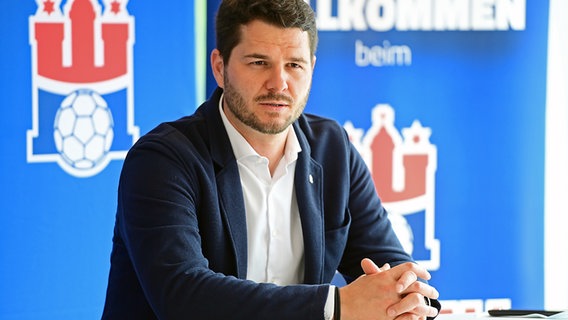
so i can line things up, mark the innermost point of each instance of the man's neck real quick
(271, 146)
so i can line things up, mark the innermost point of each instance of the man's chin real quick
(273, 126)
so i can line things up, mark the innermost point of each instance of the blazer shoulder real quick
(195, 128)
(320, 129)
(183, 130)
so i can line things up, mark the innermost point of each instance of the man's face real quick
(267, 79)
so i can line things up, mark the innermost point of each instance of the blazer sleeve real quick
(370, 234)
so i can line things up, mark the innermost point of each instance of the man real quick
(245, 209)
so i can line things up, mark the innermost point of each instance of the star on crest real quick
(417, 134)
(115, 7)
(48, 6)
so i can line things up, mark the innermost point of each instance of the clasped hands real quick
(388, 293)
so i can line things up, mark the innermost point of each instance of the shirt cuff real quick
(329, 304)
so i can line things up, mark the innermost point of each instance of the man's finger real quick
(407, 279)
(369, 267)
(422, 288)
(414, 304)
(418, 270)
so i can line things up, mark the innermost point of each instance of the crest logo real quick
(82, 84)
(403, 169)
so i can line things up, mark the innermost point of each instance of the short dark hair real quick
(232, 14)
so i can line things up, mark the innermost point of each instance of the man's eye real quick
(295, 65)
(258, 63)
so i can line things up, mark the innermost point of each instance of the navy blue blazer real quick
(180, 238)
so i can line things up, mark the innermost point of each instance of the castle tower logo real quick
(82, 84)
(403, 169)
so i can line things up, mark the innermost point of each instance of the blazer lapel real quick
(233, 211)
(228, 184)
(308, 183)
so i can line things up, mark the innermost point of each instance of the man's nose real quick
(278, 80)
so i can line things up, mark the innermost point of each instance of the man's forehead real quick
(258, 32)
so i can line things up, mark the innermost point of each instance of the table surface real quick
(474, 316)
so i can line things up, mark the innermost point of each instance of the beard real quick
(237, 105)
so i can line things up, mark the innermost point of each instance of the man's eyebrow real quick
(300, 60)
(256, 56)
(265, 57)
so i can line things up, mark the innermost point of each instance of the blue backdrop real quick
(466, 97)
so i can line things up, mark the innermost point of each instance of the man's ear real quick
(218, 67)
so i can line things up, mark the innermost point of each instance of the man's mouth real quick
(274, 104)
(274, 100)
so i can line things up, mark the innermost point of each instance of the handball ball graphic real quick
(83, 129)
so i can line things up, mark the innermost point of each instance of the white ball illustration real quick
(83, 129)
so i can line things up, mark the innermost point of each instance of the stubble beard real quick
(237, 105)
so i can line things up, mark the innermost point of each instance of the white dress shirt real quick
(275, 243)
